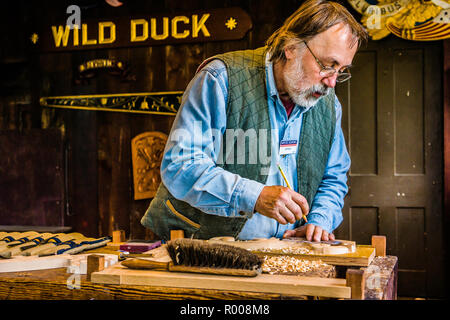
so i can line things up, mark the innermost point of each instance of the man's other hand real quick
(282, 204)
(310, 232)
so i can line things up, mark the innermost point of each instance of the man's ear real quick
(289, 50)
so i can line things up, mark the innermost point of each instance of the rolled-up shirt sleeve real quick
(326, 209)
(189, 167)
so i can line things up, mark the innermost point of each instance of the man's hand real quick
(311, 232)
(282, 204)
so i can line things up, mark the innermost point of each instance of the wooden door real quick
(392, 121)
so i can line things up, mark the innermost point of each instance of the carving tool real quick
(9, 238)
(16, 249)
(24, 237)
(86, 245)
(199, 256)
(16, 238)
(64, 246)
(288, 185)
(52, 243)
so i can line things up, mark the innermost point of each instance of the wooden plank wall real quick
(446, 85)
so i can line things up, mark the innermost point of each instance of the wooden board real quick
(362, 257)
(357, 255)
(276, 284)
(21, 263)
(345, 246)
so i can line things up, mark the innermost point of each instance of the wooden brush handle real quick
(218, 271)
(145, 264)
(169, 266)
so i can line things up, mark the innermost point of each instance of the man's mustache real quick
(320, 88)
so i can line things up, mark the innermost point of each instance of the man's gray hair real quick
(310, 19)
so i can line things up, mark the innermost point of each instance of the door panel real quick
(392, 122)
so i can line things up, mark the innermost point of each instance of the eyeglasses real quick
(330, 71)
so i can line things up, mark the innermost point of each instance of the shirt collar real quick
(271, 86)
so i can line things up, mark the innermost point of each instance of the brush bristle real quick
(199, 253)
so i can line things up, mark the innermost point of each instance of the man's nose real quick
(330, 81)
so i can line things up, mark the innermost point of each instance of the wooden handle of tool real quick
(16, 236)
(169, 266)
(61, 236)
(10, 234)
(67, 247)
(218, 271)
(29, 234)
(35, 250)
(145, 264)
(87, 247)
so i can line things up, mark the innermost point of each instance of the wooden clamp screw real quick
(357, 282)
(118, 236)
(379, 243)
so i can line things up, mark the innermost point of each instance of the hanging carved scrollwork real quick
(423, 20)
(163, 103)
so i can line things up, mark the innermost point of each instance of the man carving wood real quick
(246, 112)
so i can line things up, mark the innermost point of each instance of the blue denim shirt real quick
(190, 173)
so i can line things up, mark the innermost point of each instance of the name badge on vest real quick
(288, 147)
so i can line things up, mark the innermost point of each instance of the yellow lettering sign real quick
(84, 36)
(175, 32)
(144, 35)
(101, 32)
(148, 30)
(76, 35)
(165, 32)
(61, 35)
(200, 25)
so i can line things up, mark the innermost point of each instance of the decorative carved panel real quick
(147, 151)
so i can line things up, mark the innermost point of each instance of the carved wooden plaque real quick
(147, 150)
(143, 29)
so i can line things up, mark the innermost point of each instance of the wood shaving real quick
(289, 250)
(287, 264)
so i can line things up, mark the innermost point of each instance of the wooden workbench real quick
(56, 284)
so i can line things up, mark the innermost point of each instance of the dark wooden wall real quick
(446, 86)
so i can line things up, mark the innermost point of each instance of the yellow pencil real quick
(287, 183)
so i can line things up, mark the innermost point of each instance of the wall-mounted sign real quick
(163, 103)
(424, 20)
(145, 30)
(89, 69)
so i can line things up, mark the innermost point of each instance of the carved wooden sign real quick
(145, 30)
(424, 20)
(90, 68)
(147, 151)
(162, 103)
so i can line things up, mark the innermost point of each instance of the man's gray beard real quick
(305, 97)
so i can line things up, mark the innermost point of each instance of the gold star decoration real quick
(34, 38)
(231, 23)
